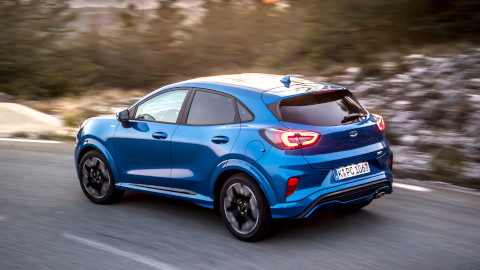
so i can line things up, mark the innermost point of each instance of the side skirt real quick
(174, 193)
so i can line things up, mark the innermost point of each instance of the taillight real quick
(289, 139)
(379, 121)
(292, 184)
(390, 162)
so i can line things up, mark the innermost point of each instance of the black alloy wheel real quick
(96, 179)
(244, 208)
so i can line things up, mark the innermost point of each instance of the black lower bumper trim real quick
(348, 194)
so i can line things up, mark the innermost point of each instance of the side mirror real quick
(123, 117)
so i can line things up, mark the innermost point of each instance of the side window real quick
(162, 108)
(211, 109)
(245, 115)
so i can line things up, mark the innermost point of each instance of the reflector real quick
(292, 184)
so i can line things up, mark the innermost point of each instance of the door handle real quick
(160, 135)
(220, 139)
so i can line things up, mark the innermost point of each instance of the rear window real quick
(320, 109)
(211, 109)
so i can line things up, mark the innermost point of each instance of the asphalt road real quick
(47, 223)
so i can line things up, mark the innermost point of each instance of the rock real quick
(453, 99)
(414, 57)
(418, 71)
(5, 97)
(400, 79)
(353, 70)
(430, 110)
(389, 66)
(442, 84)
(416, 86)
(447, 68)
(401, 103)
(367, 86)
(433, 105)
(433, 61)
(475, 98)
(474, 83)
(346, 82)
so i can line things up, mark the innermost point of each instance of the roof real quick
(261, 82)
(269, 82)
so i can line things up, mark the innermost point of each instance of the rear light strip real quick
(379, 122)
(289, 139)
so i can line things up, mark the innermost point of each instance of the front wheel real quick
(96, 179)
(244, 209)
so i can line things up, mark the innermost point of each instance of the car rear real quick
(328, 151)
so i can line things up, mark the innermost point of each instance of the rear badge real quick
(353, 133)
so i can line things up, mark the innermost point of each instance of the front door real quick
(143, 147)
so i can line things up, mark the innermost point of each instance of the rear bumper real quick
(334, 198)
(347, 197)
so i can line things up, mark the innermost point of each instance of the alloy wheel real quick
(241, 208)
(95, 177)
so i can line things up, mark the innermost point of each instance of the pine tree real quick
(29, 35)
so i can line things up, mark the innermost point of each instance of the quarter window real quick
(245, 115)
(211, 109)
(162, 108)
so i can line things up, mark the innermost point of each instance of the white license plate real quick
(351, 170)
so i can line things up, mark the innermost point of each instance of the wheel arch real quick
(231, 167)
(92, 144)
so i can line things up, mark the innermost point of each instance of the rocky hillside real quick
(431, 106)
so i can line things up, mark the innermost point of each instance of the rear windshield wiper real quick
(351, 117)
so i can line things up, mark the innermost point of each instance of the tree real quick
(143, 52)
(29, 35)
(233, 36)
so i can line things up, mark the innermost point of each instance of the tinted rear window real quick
(321, 109)
(211, 109)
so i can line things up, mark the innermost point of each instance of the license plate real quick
(351, 170)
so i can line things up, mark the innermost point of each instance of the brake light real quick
(379, 121)
(289, 139)
(308, 138)
(292, 184)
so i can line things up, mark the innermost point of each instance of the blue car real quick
(256, 147)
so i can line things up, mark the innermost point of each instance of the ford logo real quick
(353, 133)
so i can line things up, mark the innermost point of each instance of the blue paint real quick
(177, 156)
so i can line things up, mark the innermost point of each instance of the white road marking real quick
(25, 140)
(411, 187)
(139, 258)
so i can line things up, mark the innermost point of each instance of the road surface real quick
(47, 223)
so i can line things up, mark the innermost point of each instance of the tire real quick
(96, 179)
(244, 208)
(354, 208)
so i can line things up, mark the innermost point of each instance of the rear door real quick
(143, 147)
(204, 140)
